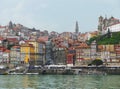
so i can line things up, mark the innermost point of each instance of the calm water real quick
(59, 82)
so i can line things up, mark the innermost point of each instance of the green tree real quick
(10, 46)
(91, 40)
(97, 62)
(109, 38)
(109, 33)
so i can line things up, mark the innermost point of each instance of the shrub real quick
(97, 62)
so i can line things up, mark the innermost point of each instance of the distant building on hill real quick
(105, 23)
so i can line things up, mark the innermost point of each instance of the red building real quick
(70, 59)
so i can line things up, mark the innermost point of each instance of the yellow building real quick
(27, 53)
(35, 44)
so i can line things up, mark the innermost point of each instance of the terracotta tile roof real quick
(12, 39)
(32, 40)
(100, 47)
(115, 18)
(1, 38)
(70, 54)
(43, 39)
(7, 51)
(71, 48)
(16, 46)
(2, 26)
(26, 45)
(82, 35)
(31, 45)
(83, 45)
(114, 24)
(62, 46)
(94, 33)
(2, 49)
(14, 28)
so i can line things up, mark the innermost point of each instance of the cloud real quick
(9, 11)
(56, 14)
(21, 11)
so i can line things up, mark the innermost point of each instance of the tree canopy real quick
(110, 38)
(97, 62)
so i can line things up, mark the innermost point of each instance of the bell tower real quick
(76, 28)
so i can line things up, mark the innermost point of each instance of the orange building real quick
(27, 53)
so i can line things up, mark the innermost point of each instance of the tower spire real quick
(76, 27)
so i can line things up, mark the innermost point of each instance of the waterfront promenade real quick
(63, 70)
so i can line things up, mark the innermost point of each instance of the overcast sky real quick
(58, 15)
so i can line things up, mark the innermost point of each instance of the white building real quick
(6, 56)
(2, 29)
(113, 28)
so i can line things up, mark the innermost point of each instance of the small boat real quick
(3, 70)
(14, 73)
(32, 73)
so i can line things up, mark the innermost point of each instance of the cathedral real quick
(103, 23)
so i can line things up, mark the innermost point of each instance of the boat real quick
(3, 70)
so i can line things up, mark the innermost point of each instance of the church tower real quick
(10, 25)
(100, 24)
(76, 28)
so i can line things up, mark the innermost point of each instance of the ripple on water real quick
(59, 82)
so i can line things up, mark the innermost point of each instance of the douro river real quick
(59, 82)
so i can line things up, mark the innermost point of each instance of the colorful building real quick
(59, 56)
(41, 53)
(36, 51)
(6, 56)
(15, 56)
(42, 50)
(71, 56)
(27, 53)
(82, 54)
(69, 60)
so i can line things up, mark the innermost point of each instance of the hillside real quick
(109, 38)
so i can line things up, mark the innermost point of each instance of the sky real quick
(58, 15)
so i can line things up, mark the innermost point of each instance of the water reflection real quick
(59, 82)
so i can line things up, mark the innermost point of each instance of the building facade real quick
(27, 53)
(15, 55)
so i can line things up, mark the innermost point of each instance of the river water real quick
(59, 82)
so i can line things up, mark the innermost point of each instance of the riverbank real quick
(60, 70)
(69, 71)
